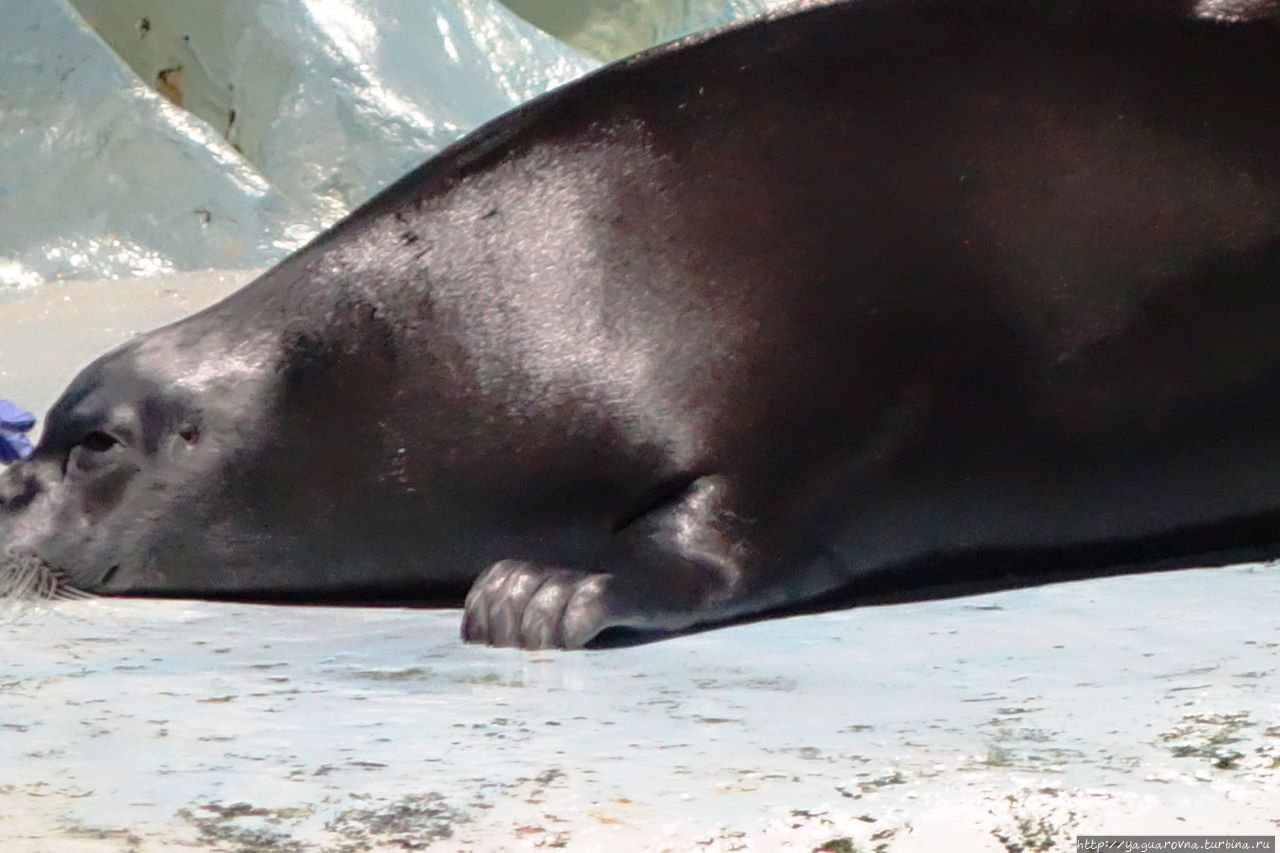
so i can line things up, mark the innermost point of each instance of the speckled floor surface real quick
(1004, 722)
(1125, 705)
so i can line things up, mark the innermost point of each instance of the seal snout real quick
(24, 574)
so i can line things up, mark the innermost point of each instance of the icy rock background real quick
(611, 29)
(103, 177)
(147, 136)
(150, 136)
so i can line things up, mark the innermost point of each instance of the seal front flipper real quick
(686, 562)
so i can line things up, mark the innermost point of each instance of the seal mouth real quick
(27, 579)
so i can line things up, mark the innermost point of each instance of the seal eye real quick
(190, 433)
(98, 442)
(94, 451)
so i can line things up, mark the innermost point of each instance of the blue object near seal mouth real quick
(14, 424)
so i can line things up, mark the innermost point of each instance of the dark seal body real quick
(871, 301)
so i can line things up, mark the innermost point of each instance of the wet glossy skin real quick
(874, 301)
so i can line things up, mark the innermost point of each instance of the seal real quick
(879, 300)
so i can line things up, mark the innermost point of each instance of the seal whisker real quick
(66, 592)
(27, 580)
(17, 577)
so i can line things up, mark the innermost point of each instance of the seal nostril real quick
(12, 502)
(111, 573)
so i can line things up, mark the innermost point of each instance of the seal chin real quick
(25, 578)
